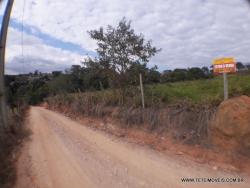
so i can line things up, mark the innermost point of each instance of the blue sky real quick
(190, 33)
(48, 39)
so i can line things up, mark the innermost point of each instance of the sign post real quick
(224, 66)
(225, 81)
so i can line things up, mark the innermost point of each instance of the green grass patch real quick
(199, 91)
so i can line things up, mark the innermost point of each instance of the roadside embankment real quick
(230, 129)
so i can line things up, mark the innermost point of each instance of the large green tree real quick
(119, 48)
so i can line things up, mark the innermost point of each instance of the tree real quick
(134, 71)
(61, 84)
(195, 73)
(94, 75)
(247, 66)
(75, 73)
(153, 75)
(239, 65)
(119, 48)
(36, 72)
(56, 73)
(178, 75)
(206, 71)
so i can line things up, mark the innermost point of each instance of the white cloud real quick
(36, 55)
(190, 32)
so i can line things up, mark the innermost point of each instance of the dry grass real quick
(182, 109)
(10, 140)
(186, 122)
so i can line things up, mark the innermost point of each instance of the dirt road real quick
(65, 154)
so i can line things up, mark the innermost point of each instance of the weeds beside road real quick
(183, 109)
(10, 142)
(199, 91)
(207, 91)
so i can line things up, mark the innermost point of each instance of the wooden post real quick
(3, 37)
(225, 81)
(142, 92)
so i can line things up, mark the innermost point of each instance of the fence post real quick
(142, 92)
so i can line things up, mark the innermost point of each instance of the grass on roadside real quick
(199, 91)
(205, 91)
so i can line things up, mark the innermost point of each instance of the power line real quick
(22, 36)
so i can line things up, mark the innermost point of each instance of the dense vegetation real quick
(193, 92)
(166, 87)
(34, 87)
(121, 56)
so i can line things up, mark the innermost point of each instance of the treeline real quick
(81, 78)
(26, 89)
(32, 88)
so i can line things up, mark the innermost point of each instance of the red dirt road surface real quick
(65, 154)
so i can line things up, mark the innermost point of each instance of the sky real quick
(191, 33)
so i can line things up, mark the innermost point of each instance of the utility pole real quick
(142, 92)
(3, 37)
